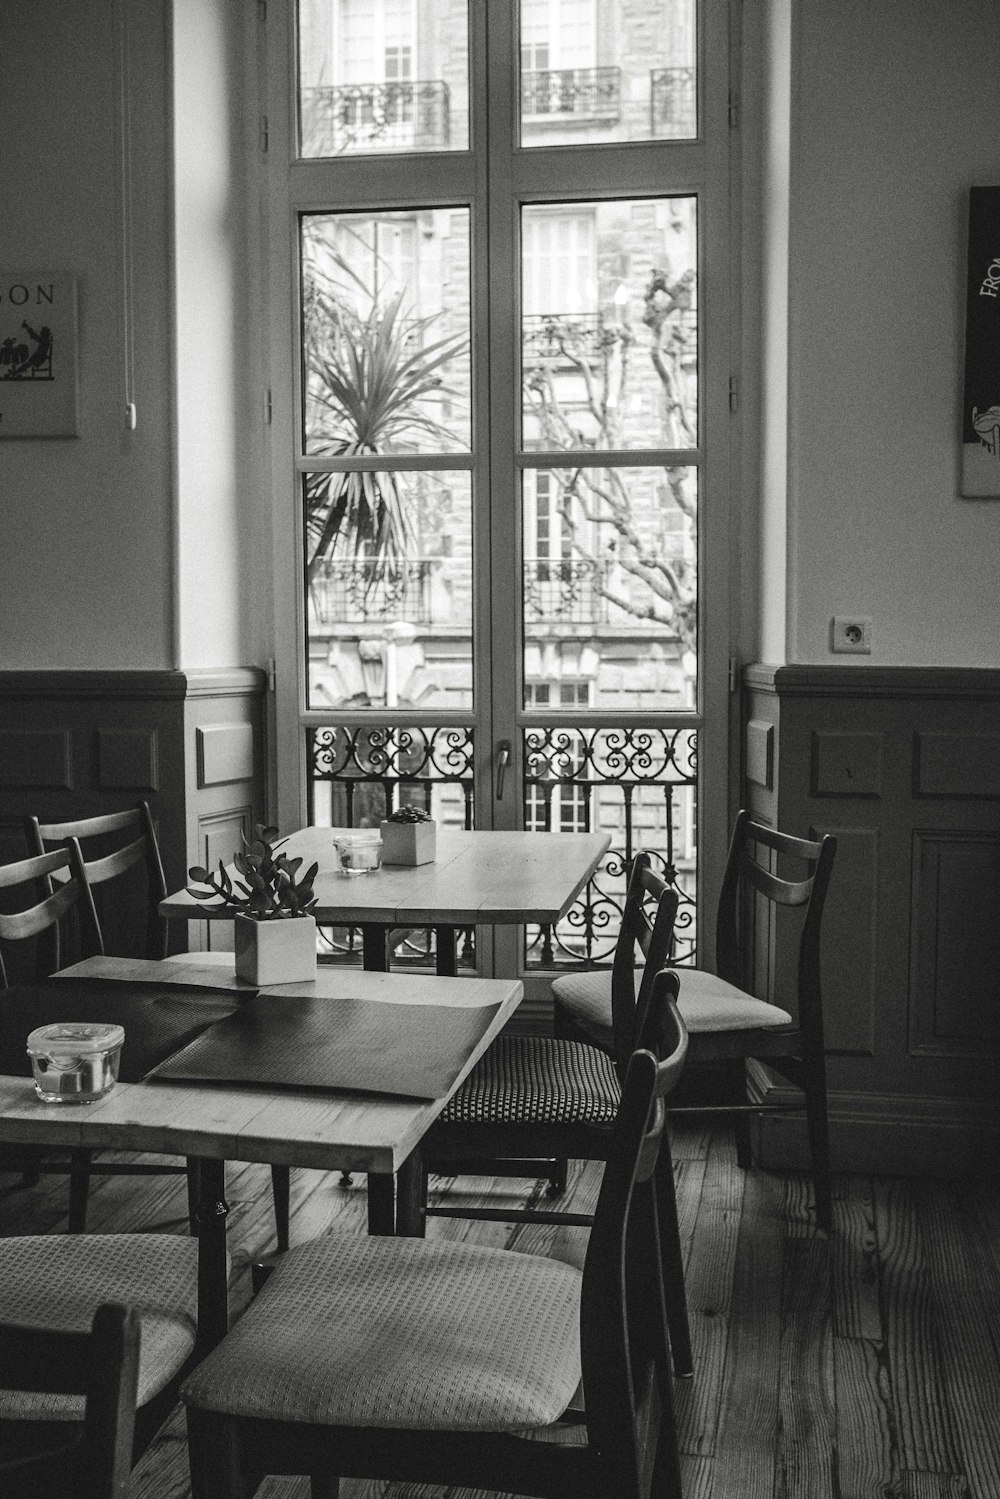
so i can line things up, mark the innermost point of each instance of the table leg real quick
(375, 948)
(447, 951)
(411, 1197)
(213, 1290)
(381, 1203)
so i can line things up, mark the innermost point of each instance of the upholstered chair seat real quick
(707, 1003)
(402, 1333)
(57, 1282)
(524, 1080)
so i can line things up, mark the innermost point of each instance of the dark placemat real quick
(157, 1019)
(357, 1045)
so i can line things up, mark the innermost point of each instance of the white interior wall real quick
(894, 118)
(85, 577)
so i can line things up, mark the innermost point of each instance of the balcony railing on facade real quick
(357, 592)
(673, 94)
(583, 93)
(404, 114)
(567, 591)
(569, 339)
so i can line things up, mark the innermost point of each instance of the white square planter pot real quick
(282, 951)
(408, 842)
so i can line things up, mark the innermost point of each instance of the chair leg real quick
(819, 1139)
(673, 1271)
(79, 1189)
(558, 1178)
(213, 1454)
(31, 1175)
(281, 1191)
(737, 1093)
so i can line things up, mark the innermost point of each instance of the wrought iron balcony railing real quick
(400, 115)
(674, 102)
(566, 590)
(359, 592)
(588, 93)
(562, 337)
(638, 784)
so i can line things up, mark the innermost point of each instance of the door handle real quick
(503, 760)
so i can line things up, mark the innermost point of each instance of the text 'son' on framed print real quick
(981, 398)
(38, 355)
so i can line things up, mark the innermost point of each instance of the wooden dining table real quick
(214, 1123)
(478, 877)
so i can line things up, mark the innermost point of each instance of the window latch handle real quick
(503, 760)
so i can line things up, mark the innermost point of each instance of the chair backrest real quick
(102, 1365)
(647, 925)
(746, 875)
(108, 858)
(41, 919)
(623, 1320)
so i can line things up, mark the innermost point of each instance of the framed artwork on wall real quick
(38, 355)
(980, 476)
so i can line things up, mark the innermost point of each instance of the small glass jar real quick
(75, 1061)
(359, 852)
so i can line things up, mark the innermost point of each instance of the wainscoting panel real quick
(955, 983)
(77, 744)
(225, 753)
(907, 761)
(36, 759)
(128, 761)
(952, 764)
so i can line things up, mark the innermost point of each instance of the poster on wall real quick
(981, 401)
(38, 355)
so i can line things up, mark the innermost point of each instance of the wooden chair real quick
(727, 1025)
(105, 863)
(449, 1363)
(52, 1289)
(101, 1365)
(40, 922)
(534, 1096)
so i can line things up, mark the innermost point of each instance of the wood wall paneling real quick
(846, 764)
(128, 760)
(910, 758)
(951, 764)
(39, 759)
(760, 753)
(225, 753)
(955, 966)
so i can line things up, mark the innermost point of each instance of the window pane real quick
(609, 337)
(389, 623)
(383, 75)
(607, 70)
(610, 579)
(385, 332)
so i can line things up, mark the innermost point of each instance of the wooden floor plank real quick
(709, 1287)
(747, 1437)
(923, 1422)
(901, 1304)
(866, 1461)
(856, 1309)
(806, 1439)
(967, 1316)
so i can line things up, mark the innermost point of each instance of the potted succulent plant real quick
(274, 931)
(408, 836)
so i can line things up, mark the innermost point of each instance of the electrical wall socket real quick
(851, 634)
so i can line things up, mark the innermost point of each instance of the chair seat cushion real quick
(706, 1003)
(382, 1332)
(537, 1080)
(59, 1280)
